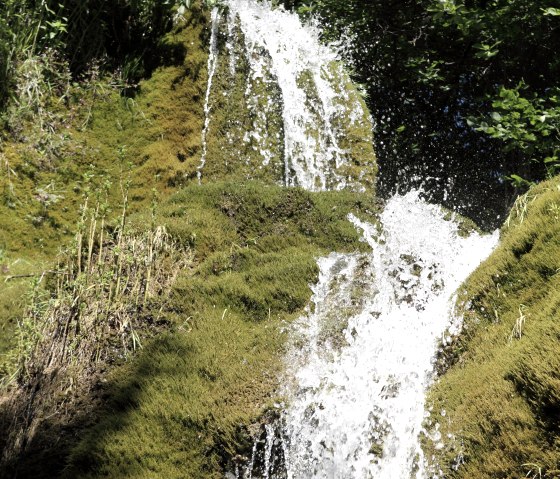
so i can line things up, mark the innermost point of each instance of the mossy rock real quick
(245, 135)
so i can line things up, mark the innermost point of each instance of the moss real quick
(245, 137)
(355, 130)
(181, 408)
(101, 142)
(501, 393)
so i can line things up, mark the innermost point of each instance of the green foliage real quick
(183, 406)
(88, 312)
(501, 394)
(530, 124)
(124, 33)
(90, 136)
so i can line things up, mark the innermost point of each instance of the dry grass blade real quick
(517, 330)
(81, 318)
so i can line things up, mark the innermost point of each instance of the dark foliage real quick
(123, 34)
(464, 92)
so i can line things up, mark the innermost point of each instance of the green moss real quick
(245, 137)
(182, 407)
(101, 142)
(502, 392)
(355, 127)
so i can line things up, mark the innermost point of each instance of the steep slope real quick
(96, 143)
(495, 409)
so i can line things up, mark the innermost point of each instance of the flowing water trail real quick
(295, 52)
(363, 353)
(212, 63)
(356, 405)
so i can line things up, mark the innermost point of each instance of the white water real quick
(363, 353)
(212, 63)
(306, 74)
(371, 391)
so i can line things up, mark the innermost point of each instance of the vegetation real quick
(126, 34)
(254, 249)
(101, 110)
(501, 391)
(248, 123)
(209, 334)
(69, 140)
(90, 139)
(462, 92)
(106, 291)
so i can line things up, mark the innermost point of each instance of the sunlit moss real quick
(245, 135)
(183, 406)
(501, 395)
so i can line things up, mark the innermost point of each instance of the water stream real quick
(357, 407)
(212, 63)
(362, 354)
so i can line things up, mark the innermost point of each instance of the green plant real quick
(90, 309)
(501, 390)
(530, 123)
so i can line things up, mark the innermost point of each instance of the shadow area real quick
(154, 414)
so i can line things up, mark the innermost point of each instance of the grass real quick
(97, 141)
(184, 406)
(15, 285)
(501, 392)
(105, 294)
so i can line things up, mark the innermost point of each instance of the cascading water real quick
(356, 411)
(271, 50)
(363, 353)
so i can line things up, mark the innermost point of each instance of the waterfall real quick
(212, 62)
(357, 407)
(363, 352)
(281, 69)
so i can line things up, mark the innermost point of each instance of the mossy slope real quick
(501, 396)
(100, 142)
(183, 406)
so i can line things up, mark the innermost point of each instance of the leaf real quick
(555, 12)
(518, 181)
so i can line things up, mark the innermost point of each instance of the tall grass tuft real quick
(89, 310)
